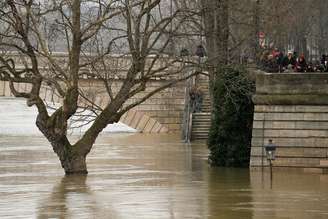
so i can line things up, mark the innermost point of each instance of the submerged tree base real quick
(82, 172)
(75, 165)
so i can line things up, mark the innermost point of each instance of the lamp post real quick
(270, 149)
(184, 54)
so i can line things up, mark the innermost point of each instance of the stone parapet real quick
(161, 113)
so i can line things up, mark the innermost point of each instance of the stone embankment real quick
(292, 110)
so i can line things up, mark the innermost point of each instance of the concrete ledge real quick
(289, 99)
(292, 83)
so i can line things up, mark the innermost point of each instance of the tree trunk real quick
(72, 158)
(74, 164)
(256, 23)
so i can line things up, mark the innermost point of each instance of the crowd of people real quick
(277, 61)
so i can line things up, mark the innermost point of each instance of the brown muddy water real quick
(149, 176)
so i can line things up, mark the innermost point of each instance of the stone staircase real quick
(201, 122)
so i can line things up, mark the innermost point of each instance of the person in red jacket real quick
(301, 64)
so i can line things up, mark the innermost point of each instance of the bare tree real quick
(90, 32)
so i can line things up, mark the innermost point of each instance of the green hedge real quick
(231, 130)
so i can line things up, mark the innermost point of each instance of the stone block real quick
(258, 124)
(258, 161)
(2, 88)
(258, 151)
(316, 116)
(174, 127)
(324, 163)
(290, 152)
(136, 119)
(127, 116)
(171, 121)
(283, 116)
(7, 90)
(324, 178)
(257, 141)
(156, 128)
(164, 130)
(321, 142)
(258, 116)
(274, 124)
(142, 123)
(311, 125)
(275, 108)
(149, 126)
(129, 119)
(257, 133)
(313, 170)
(315, 152)
(312, 109)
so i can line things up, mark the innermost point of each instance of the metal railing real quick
(187, 115)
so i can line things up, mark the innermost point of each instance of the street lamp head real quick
(270, 149)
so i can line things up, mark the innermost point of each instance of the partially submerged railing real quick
(187, 116)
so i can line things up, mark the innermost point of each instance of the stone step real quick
(205, 134)
(200, 131)
(197, 126)
(206, 108)
(202, 114)
(194, 138)
(201, 123)
(199, 136)
(199, 120)
(201, 128)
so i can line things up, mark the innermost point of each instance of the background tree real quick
(89, 31)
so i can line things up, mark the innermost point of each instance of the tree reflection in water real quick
(70, 198)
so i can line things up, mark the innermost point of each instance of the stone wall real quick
(161, 113)
(292, 110)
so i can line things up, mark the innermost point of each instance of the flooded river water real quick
(149, 176)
